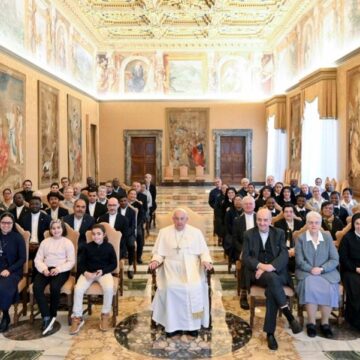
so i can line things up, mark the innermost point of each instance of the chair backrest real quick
(297, 233)
(26, 236)
(277, 218)
(196, 220)
(183, 171)
(114, 238)
(73, 236)
(340, 234)
(169, 171)
(199, 170)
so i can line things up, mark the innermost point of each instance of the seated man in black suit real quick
(246, 221)
(265, 258)
(329, 188)
(117, 190)
(152, 188)
(80, 221)
(94, 208)
(116, 220)
(339, 210)
(101, 195)
(55, 211)
(65, 182)
(289, 224)
(128, 246)
(36, 222)
(20, 208)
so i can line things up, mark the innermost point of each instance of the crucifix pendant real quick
(178, 248)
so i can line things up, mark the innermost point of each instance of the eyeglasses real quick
(6, 222)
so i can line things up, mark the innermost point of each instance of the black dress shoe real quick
(4, 325)
(326, 331)
(244, 304)
(272, 343)
(311, 330)
(295, 326)
(139, 261)
(193, 333)
(130, 274)
(174, 333)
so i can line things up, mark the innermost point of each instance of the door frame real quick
(128, 135)
(247, 133)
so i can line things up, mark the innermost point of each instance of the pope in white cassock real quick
(181, 301)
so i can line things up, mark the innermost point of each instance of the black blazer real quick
(141, 216)
(337, 225)
(251, 249)
(61, 213)
(100, 209)
(121, 223)
(44, 224)
(341, 213)
(86, 224)
(130, 214)
(143, 198)
(24, 211)
(152, 189)
(282, 224)
(302, 214)
(239, 228)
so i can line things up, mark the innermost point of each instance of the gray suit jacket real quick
(326, 256)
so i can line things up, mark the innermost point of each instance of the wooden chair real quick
(199, 174)
(169, 174)
(95, 289)
(276, 218)
(68, 288)
(257, 298)
(340, 234)
(24, 282)
(184, 173)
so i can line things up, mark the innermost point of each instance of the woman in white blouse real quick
(347, 201)
(315, 202)
(54, 260)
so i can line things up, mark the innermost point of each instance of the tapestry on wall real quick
(295, 133)
(48, 135)
(12, 127)
(353, 125)
(74, 139)
(187, 139)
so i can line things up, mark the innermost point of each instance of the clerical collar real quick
(357, 234)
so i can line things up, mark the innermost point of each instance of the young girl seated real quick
(96, 263)
(54, 260)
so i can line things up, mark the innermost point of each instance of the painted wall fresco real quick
(48, 134)
(12, 127)
(12, 19)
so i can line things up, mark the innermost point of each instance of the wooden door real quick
(232, 161)
(143, 158)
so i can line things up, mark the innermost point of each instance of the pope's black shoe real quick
(4, 325)
(244, 304)
(130, 274)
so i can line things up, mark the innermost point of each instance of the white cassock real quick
(181, 300)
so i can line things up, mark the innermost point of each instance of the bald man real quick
(181, 300)
(265, 257)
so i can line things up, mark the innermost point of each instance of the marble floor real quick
(135, 338)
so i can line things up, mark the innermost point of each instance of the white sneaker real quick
(50, 326)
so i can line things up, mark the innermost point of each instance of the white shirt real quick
(309, 238)
(19, 210)
(123, 211)
(92, 208)
(54, 214)
(264, 237)
(290, 225)
(77, 223)
(249, 219)
(112, 219)
(34, 227)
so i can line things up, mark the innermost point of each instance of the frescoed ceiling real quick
(191, 24)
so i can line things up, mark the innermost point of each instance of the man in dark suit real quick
(289, 224)
(116, 221)
(94, 208)
(246, 221)
(65, 182)
(36, 222)
(90, 184)
(152, 188)
(117, 190)
(339, 210)
(27, 191)
(140, 220)
(55, 211)
(329, 188)
(129, 246)
(265, 258)
(215, 192)
(80, 221)
(20, 209)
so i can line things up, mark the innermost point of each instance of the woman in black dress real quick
(349, 251)
(12, 259)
